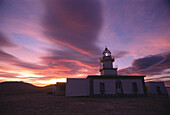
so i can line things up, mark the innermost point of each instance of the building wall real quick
(110, 86)
(59, 89)
(77, 87)
(109, 72)
(168, 90)
(152, 88)
(128, 87)
(108, 64)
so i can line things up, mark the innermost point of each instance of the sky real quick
(46, 41)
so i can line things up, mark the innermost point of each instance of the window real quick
(118, 84)
(119, 89)
(158, 88)
(135, 87)
(102, 88)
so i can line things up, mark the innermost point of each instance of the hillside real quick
(15, 87)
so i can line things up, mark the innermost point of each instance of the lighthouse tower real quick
(107, 61)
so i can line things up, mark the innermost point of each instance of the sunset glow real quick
(46, 41)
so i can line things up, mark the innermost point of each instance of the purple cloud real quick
(143, 63)
(120, 54)
(5, 42)
(30, 65)
(5, 57)
(75, 24)
(71, 60)
(150, 65)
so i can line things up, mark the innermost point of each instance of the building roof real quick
(115, 77)
(60, 83)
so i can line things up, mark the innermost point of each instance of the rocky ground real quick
(41, 103)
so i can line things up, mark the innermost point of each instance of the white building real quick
(156, 88)
(106, 84)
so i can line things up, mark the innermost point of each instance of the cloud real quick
(143, 63)
(5, 42)
(149, 65)
(73, 28)
(8, 58)
(120, 54)
(159, 78)
(8, 75)
(30, 65)
(69, 62)
(69, 54)
(137, 26)
(58, 64)
(74, 24)
(5, 57)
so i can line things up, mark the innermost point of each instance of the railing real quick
(100, 67)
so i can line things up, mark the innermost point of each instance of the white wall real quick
(77, 87)
(110, 86)
(151, 88)
(128, 88)
(81, 87)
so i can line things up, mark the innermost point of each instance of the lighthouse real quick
(109, 83)
(107, 64)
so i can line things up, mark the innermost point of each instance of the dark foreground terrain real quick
(41, 103)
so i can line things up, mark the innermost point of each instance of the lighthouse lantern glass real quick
(107, 54)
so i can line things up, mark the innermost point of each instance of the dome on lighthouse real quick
(106, 52)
